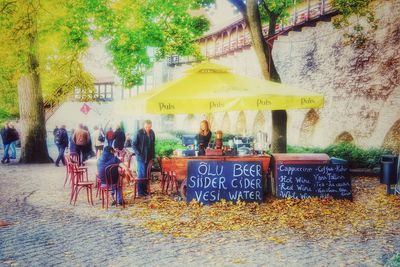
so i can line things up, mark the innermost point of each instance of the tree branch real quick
(240, 5)
(6, 5)
(266, 8)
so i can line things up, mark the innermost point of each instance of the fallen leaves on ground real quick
(370, 214)
(4, 223)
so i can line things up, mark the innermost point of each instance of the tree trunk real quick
(264, 55)
(33, 128)
(279, 131)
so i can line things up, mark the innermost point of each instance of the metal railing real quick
(299, 18)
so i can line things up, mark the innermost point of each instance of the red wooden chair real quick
(106, 189)
(120, 153)
(98, 185)
(147, 178)
(80, 180)
(168, 175)
(67, 174)
(74, 159)
(130, 158)
(165, 167)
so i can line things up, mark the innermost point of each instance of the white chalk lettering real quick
(207, 182)
(290, 170)
(249, 170)
(325, 169)
(302, 180)
(192, 181)
(288, 195)
(303, 188)
(285, 179)
(304, 195)
(206, 169)
(285, 187)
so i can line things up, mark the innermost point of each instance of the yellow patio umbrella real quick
(209, 87)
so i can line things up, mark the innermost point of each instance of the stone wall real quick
(361, 86)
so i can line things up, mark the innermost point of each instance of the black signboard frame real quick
(312, 180)
(209, 181)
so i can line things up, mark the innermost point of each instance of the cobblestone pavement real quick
(46, 231)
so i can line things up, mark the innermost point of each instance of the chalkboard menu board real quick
(313, 180)
(210, 181)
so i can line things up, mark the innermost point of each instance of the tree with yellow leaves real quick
(40, 49)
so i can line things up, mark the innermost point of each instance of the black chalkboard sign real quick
(210, 181)
(313, 180)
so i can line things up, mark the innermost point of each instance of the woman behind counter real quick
(203, 138)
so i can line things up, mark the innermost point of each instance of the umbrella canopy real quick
(209, 87)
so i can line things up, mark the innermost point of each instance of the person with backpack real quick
(98, 140)
(81, 140)
(61, 140)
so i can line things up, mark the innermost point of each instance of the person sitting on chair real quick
(106, 159)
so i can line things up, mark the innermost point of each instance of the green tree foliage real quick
(356, 156)
(60, 30)
(365, 22)
(132, 27)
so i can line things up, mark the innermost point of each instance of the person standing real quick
(144, 147)
(128, 141)
(81, 140)
(62, 143)
(55, 132)
(5, 136)
(14, 137)
(119, 138)
(88, 153)
(72, 145)
(204, 137)
(98, 140)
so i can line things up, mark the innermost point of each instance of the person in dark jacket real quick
(62, 143)
(110, 136)
(128, 141)
(88, 150)
(72, 145)
(6, 137)
(119, 138)
(144, 147)
(55, 133)
(106, 159)
(14, 137)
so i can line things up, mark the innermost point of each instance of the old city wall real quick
(361, 86)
